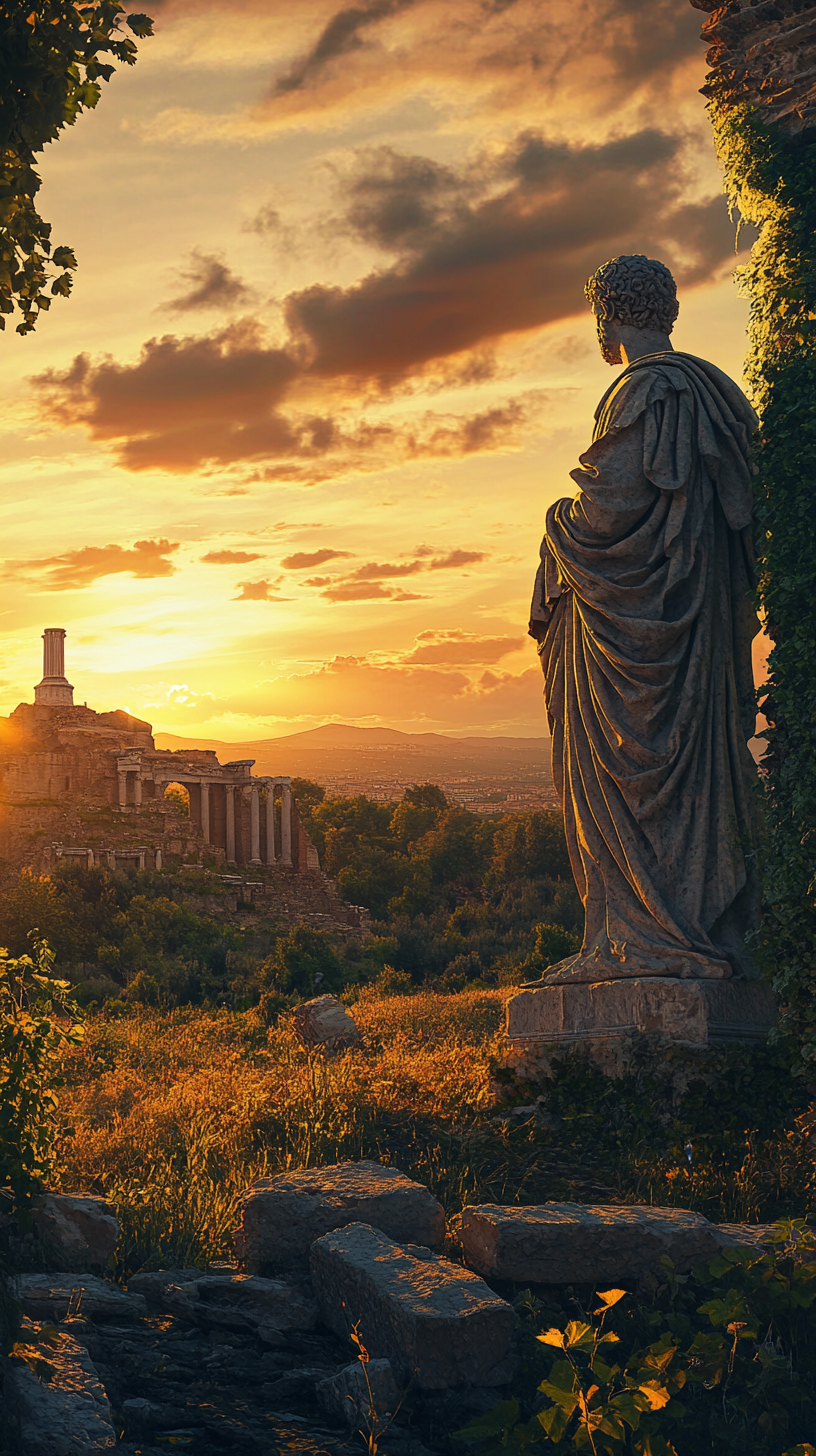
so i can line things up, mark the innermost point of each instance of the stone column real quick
(158, 859)
(286, 827)
(122, 789)
(141, 859)
(229, 790)
(90, 859)
(205, 810)
(270, 821)
(137, 790)
(254, 826)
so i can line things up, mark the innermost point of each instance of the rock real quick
(324, 1022)
(567, 1243)
(66, 1415)
(151, 1284)
(142, 1416)
(241, 1302)
(279, 1218)
(53, 1296)
(346, 1396)
(744, 1235)
(437, 1323)
(295, 1384)
(77, 1230)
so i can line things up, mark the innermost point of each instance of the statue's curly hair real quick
(636, 290)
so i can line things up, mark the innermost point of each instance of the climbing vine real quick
(771, 178)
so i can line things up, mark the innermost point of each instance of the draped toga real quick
(644, 617)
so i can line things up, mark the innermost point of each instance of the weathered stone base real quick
(604, 1019)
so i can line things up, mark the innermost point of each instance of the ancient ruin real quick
(92, 786)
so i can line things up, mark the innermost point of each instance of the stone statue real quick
(644, 618)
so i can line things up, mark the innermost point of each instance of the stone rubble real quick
(439, 1325)
(280, 1218)
(232, 1362)
(53, 1296)
(66, 1415)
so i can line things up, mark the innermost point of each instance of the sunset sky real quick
(284, 457)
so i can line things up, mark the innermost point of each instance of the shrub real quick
(38, 1020)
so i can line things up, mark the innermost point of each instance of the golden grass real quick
(171, 1114)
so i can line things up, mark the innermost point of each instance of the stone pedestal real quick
(602, 1019)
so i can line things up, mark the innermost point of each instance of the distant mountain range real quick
(337, 749)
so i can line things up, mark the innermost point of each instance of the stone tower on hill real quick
(93, 787)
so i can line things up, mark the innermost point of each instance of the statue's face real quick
(608, 340)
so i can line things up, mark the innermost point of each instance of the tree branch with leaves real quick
(51, 69)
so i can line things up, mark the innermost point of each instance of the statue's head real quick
(633, 291)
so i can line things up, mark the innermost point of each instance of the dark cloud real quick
(230, 558)
(301, 560)
(342, 34)
(647, 38)
(186, 400)
(471, 271)
(217, 399)
(212, 284)
(88, 564)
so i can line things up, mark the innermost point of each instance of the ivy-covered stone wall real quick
(762, 105)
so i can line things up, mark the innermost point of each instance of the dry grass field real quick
(172, 1113)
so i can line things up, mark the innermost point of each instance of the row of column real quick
(254, 817)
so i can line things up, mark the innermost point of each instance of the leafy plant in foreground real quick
(682, 1375)
(37, 1021)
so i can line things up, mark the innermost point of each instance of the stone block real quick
(438, 1324)
(346, 1396)
(77, 1230)
(67, 1415)
(324, 1022)
(603, 1017)
(567, 1243)
(279, 1218)
(51, 1296)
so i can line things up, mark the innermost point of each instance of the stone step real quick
(439, 1325)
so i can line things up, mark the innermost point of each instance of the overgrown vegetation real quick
(771, 178)
(721, 1360)
(458, 900)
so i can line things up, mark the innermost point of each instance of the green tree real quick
(308, 794)
(306, 961)
(421, 809)
(530, 846)
(50, 71)
(34, 902)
